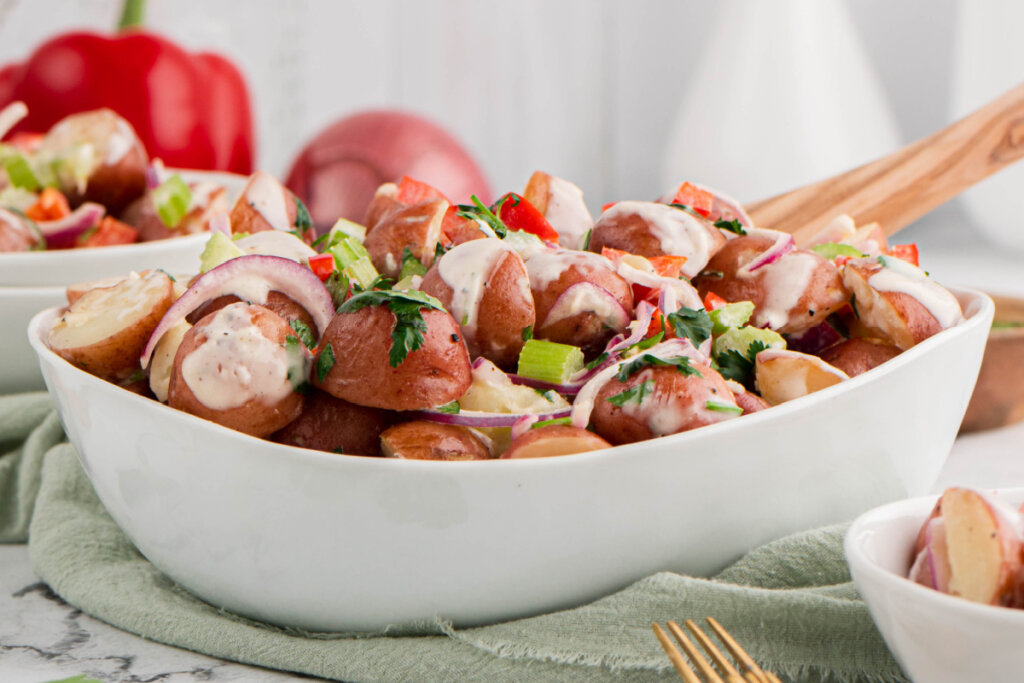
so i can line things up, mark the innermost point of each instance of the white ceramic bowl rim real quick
(975, 303)
(921, 507)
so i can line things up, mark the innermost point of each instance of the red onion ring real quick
(564, 389)
(482, 420)
(638, 328)
(523, 425)
(567, 304)
(272, 272)
(62, 233)
(784, 243)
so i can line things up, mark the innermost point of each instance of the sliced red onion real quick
(62, 233)
(588, 297)
(814, 340)
(11, 115)
(482, 420)
(523, 425)
(684, 292)
(155, 174)
(667, 301)
(638, 328)
(250, 278)
(219, 222)
(784, 244)
(564, 389)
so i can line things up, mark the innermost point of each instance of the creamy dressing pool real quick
(784, 283)
(916, 283)
(678, 232)
(547, 266)
(466, 269)
(236, 363)
(567, 213)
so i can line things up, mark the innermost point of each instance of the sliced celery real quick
(549, 362)
(219, 248)
(172, 199)
(20, 172)
(352, 258)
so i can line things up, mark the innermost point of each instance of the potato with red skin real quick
(674, 402)
(206, 201)
(119, 174)
(552, 440)
(384, 202)
(266, 204)
(783, 375)
(782, 302)
(896, 316)
(243, 366)
(552, 272)
(750, 402)
(494, 320)
(105, 330)
(855, 356)
(279, 303)
(336, 426)
(360, 341)
(416, 228)
(15, 233)
(424, 440)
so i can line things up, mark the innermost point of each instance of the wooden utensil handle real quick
(903, 186)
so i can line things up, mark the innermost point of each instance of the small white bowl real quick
(335, 542)
(936, 638)
(70, 266)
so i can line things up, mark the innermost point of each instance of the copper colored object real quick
(998, 398)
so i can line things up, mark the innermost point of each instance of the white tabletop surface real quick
(42, 638)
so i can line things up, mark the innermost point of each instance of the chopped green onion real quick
(20, 173)
(549, 362)
(172, 199)
(730, 315)
(352, 258)
(720, 407)
(553, 421)
(637, 393)
(304, 333)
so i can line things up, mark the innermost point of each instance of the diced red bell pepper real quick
(657, 325)
(841, 260)
(905, 252)
(608, 206)
(322, 265)
(613, 255)
(712, 301)
(52, 205)
(412, 191)
(519, 214)
(109, 232)
(695, 198)
(668, 265)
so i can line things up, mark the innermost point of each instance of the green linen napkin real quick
(790, 603)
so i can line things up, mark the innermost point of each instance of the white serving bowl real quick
(70, 266)
(935, 637)
(19, 367)
(332, 542)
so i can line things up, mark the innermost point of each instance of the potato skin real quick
(684, 395)
(750, 402)
(584, 329)
(435, 374)
(416, 228)
(116, 356)
(632, 232)
(822, 292)
(15, 235)
(505, 308)
(855, 356)
(246, 218)
(256, 416)
(143, 216)
(279, 303)
(384, 202)
(553, 440)
(894, 317)
(336, 426)
(424, 440)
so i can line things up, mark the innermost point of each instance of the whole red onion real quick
(338, 171)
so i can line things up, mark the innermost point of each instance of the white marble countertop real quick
(42, 638)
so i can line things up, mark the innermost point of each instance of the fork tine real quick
(705, 669)
(738, 652)
(724, 665)
(685, 672)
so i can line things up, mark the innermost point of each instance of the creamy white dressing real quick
(466, 269)
(266, 195)
(678, 232)
(914, 282)
(547, 266)
(784, 283)
(567, 213)
(236, 363)
(276, 243)
(585, 297)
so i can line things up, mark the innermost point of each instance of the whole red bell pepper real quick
(189, 109)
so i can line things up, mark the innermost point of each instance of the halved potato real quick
(423, 440)
(416, 228)
(105, 330)
(561, 203)
(554, 440)
(855, 356)
(783, 375)
(266, 204)
(336, 426)
(161, 366)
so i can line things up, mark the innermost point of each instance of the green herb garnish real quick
(637, 393)
(692, 324)
(680, 363)
(337, 284)
(689, 210)
(297, 368)
(733, 226)
(720, 407)
(304, 333)
(597, 361)
(528, 333)
(411, 265)
(407, 334)
(479, 212)
(739, 367)
(553, 421)
(452, 408)
(303, 221)
(324, 363)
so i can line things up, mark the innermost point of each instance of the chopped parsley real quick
(739, 367)
(452, 408)
(637, 393)
(304, 333)
(689, 210)
(325, 362)
(733, 226)
(380, 283)
(680, 363)
(692, 324)
(439, 251)
(478, 211)
(597, 361)
(297, 367)
(528, 333)
(337, 284)
(407, 334)
(411, 265)
(302, 218)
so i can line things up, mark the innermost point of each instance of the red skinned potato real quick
(561, 203)
(931, 563)
(336, 426)
(235, 368)
(105, 330)
(855, 356)
(585, 316)
(118, 159)
(384, 202)
(554, 440)
(661, 400)
(358, 367)
(207, 199)
(266, 204)
(279, 303)
(748, 401)
(485, 286)
(898, 302)
(416, 228)
(15, 233)
(424, 440)
(790, 295)
(654, 229)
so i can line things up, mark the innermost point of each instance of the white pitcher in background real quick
(783, 95)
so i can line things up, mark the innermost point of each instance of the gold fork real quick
(727, 673)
